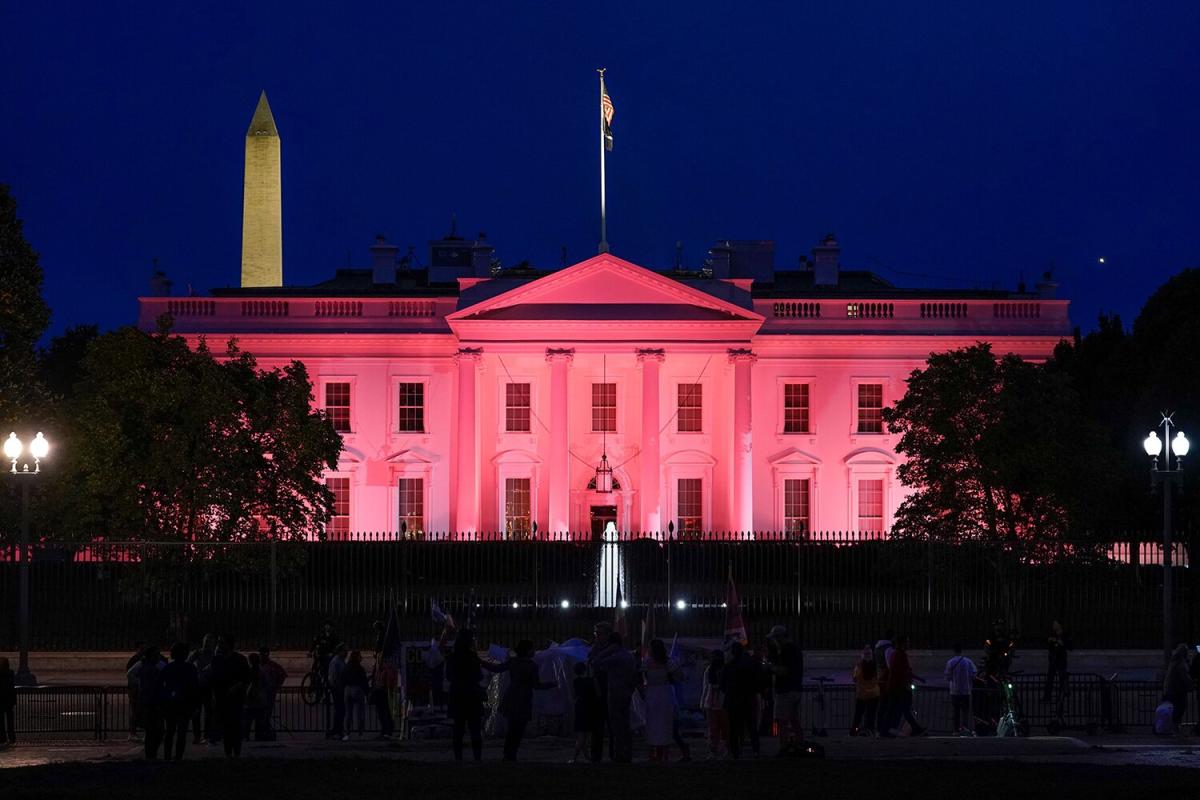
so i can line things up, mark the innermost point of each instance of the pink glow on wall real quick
(608, 320)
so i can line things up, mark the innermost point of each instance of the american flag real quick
(606, 112)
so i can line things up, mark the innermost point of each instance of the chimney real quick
(481, 257)
(1047, 287)
(160, 285)
(826, 257)
(383, 261)
(720, 257)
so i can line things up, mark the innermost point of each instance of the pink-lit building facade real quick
(736, 397)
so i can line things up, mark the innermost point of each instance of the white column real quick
(560, 457)
(743, 442)
(466, 508)
(648, 491)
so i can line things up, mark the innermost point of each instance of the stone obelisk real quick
(262, 226)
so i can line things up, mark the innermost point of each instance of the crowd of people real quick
(603, 689)
(214, 692)
(217, 694)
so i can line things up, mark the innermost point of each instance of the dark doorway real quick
(601, 516)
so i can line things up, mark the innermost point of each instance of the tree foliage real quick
(997, 450)
(24, 316)
(166, 442)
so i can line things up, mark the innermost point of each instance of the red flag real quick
(735, 626)
(647, 630)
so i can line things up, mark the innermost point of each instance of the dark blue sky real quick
(940, 139)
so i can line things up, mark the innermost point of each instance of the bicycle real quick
(314, 686)
(1009, 719)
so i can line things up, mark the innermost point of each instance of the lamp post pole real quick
(1168, 605)
(1168, 477)
(24, 677)
(13, 450)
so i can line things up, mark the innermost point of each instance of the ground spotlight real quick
(681, 604)
(515, 604)
(564, 604)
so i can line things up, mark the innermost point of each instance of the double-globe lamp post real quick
(1168, 476)
(13, 449)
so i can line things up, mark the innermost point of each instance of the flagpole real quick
(603, 222)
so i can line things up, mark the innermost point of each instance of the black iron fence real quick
(838, 590)
(1093, 706)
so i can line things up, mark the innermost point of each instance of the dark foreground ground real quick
(768, 778)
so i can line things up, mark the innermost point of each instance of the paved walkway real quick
(1182, 751)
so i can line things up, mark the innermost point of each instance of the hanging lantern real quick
(604, 476)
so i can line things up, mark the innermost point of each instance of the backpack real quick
(881, 664)
(149, 684)
(1164, 718)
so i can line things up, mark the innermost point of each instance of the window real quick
(337, 406)
(690, 417)
(795, 505)
(795, 408)
(516, 408)
(870, 408)
(690, 505)
(411, 492)
(870, 505)
(516, 508)
(411, 418)
(339, 523)
(604, 407)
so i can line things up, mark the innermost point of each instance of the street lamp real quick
(1168, 477)
(13, 448)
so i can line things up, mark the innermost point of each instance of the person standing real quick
(741, 683)
(135, 705)
(383, 682)
(866, 694)
(712, 700)
(517, 704)
(8, 704)
(600, 727)
(1194, 673)
(149, 679)
(660, 675)
(1057, 647)
(180, 692)
(960, 677)
(785, 661)
(354, 684)
(466, 696)
(201, 659)
(621, 670)
(274, 677)
(900, 693)
(586, 709)
(883, 650)
(230, 682)
(337, 691)
(1177, 684)
(256, 700)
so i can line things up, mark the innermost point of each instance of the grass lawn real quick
(767, 778)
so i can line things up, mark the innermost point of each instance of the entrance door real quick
(601, 516)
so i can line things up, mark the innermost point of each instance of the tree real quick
(24, 316)
(997, 451)
(165, 442)
(60, 365)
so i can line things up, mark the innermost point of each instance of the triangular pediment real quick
(605, 289)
